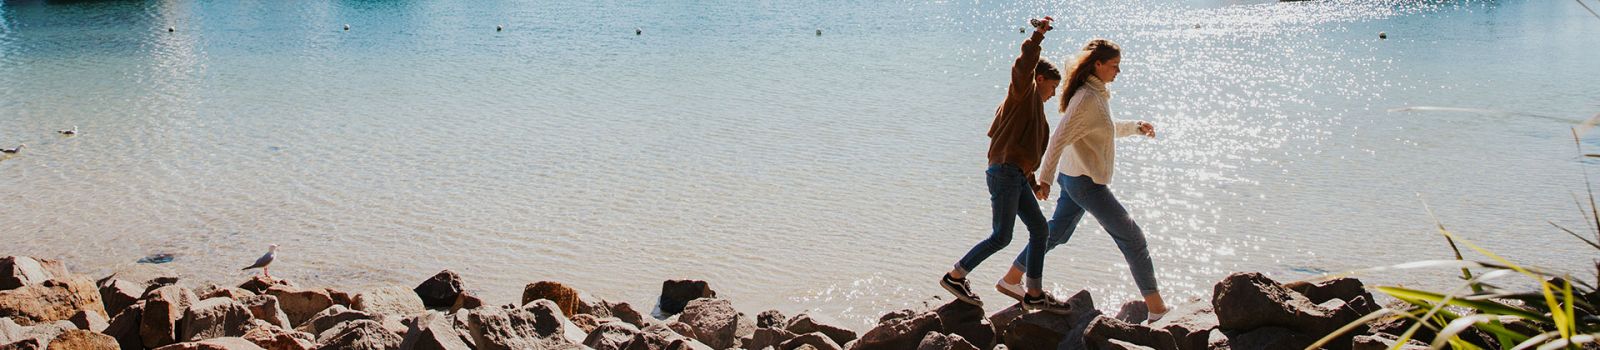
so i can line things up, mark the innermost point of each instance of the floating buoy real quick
(347, 27)
(171, 29)
(638, 31)
(819, 32)
(1382, 35)
(499, 28)
(1022, 30)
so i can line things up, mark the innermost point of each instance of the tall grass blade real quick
(1575, 234)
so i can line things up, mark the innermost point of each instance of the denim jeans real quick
(1079, 194)
(1010, 197)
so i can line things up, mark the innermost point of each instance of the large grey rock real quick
(938, 341)
(1104, 329)
(215, 318)
(116, 295)
(265, 308)
(611, 336)
(536, 325)
(901, 333)
(300, 304)
(441, 290)
(214, 344)
(1045, 330)
(396, 301)
(432, 331)
(675, 294)
(359, 335)
(332, 317)
(163, 308)
(716, 323)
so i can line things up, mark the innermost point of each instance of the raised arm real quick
(1022, 71)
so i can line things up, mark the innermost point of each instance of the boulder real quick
(466, 300)
(1249, 301)
(52, 300)
(265, 308)
(163, 308)
(441, 290)
(1268, 338)
(715, 323)
(90, 321)
(1190, 323)
(968, 321)
(937, 341)
(300, 304)
(1045, 330)
(259, 284)
(158, 282)
(215, 291)
(765, 336)
(116, 295)
(1103, 329)
(592, 305)
(214, 344)
(332, 317)
(537, 324)
(1134, 311)
(215, 318)
(813, 340)
(626, 313)
(899, 334)
(432, 331)
(359, 335)
(611, 336)
(18, 271)
(125, 327)
(1344, 288)
(585, 322)
(675, 294)
(563, 296)
(1001, 320)
(340, 297)
(37, 336)
(771, 319)
(391, 300)
(78, 339)
(1113, 344)
(806, 323)
(272, 337)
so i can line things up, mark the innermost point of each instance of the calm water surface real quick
(839, 173)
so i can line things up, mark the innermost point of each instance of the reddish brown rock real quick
(675, 294)
(214, 344)
(78, 339)
(300, 304)
(164, 307)
(52, 300)
(272, 337)
(564, 296)
(441, 290)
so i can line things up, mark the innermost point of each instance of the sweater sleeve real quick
(1022, 71)
(1069, 130)
(1126, 128)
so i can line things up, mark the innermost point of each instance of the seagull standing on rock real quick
(73, 131)
(14, 150)
(272, 252)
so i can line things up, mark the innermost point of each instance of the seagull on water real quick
(14, 150)
(74, 131)
(272, 252)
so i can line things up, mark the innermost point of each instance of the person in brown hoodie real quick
(1017, 140)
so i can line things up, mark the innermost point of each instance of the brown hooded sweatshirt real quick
(1019, 133)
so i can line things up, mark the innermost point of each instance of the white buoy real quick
(499, 28)
(638, 31)
(346, 27)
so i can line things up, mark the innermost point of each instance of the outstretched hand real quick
(1042, 25)
(1147, 129)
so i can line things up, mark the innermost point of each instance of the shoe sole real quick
(959, 296)
(1027, 307)
(1008, 293)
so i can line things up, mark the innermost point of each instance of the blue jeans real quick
(1079, 194)
(1010, 197)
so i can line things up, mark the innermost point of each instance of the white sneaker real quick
(1015, 291)
(1152, 317)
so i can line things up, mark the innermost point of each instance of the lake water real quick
(840, 173)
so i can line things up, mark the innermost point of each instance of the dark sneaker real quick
(1045, 302)
(961, 289)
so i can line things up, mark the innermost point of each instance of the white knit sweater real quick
(1087, 127)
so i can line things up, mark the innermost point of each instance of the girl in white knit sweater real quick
(1085, 139)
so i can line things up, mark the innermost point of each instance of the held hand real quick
(1041, 191)
(1147, 129)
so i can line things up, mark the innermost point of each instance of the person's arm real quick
(1125, 128)
(1022, 70)
(1068, 131)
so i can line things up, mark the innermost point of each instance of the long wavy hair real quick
(1096, 51)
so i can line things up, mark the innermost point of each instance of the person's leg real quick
(1062, 224)
(1005, 184)
(1098, 200)
(1038, 237)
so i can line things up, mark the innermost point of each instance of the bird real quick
(74, 131)
(272, 252)
(14, 150)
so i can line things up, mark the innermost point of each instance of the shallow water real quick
(839, 173)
